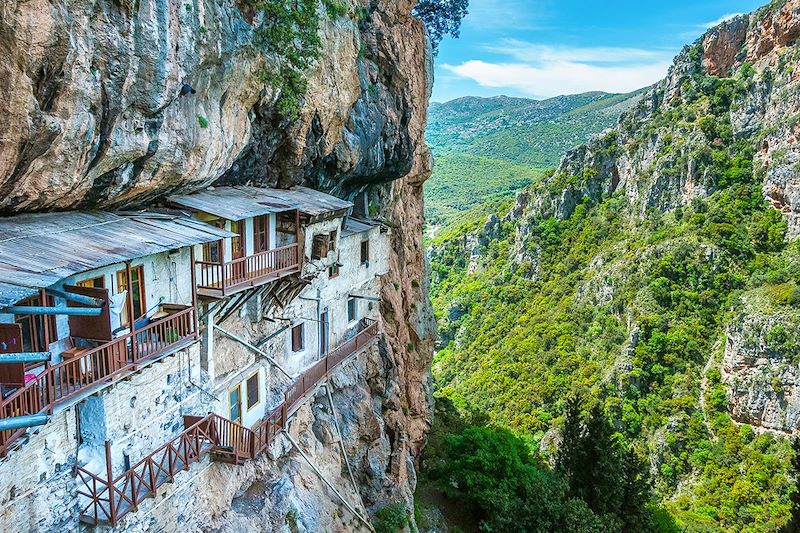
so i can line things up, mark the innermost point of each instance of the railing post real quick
(112, 508)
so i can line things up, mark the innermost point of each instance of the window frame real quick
(261, 234)
(239, 242)
(91, 283)
(354, 316)
(301, 337)
(334, 271)
(332, 240)
(257, 376)
(230, 404)
(137, 272)
(365, 252)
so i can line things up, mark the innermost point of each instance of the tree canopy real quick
(441, 17)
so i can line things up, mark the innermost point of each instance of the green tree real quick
(602, 473)
(794, 523)
(637, 493)
(441, 17)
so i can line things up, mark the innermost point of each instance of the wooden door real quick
(96, 328)
(235, 399)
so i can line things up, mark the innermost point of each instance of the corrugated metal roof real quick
(39, 250)
(237, 203)
(353, 226)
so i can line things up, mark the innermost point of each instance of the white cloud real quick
(510, 14)
(537, 53)
(723, 18)
(543, 71)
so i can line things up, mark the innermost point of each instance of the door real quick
(324, 331)
(261, 233)
(137, 294)
(235, 399)
(11, 342)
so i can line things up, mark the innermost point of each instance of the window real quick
(352, 309)
(332, 240)
(212, 251)
(95, 283)
(235, 399)
(137, 292)
(261, 233)
(33, 326)
(333, 270)
(252, 391)
(237, 242)
(319, 248)
(297, 338)
(365, 253)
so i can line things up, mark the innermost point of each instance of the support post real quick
(194, 295)
(131, 314)
(112, 508)
(341, 441)
(301, 248)
(45, 322)
(222, 262)
(328, 483)
(253, 348)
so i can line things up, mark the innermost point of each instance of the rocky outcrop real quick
(640, 159)
(94, 117)
(760, 366)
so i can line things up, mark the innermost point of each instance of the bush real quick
(289, 32)
(391, 519)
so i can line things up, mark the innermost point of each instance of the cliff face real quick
(730, 98)
(642, 159)
(94, 118)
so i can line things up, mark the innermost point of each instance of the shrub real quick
(391, 519)
(290, 32)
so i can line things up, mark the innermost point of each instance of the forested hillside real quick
(489, 148)
(655, 273)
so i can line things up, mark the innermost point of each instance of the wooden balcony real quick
(65, 381)
(106, 500)
(219, 280)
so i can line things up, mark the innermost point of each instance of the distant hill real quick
(486, 148)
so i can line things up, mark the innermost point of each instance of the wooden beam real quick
(77, 298)
(35, 310)
(25, 421)
(25, 357)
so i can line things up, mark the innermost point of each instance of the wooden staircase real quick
(107, 500)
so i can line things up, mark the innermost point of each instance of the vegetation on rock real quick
(289, 32)
(627, 299)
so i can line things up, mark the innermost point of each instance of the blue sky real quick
(543, 48)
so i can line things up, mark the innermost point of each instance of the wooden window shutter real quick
(297, 338)
(319, 249)
(252, 391)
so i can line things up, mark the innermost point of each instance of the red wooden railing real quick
(62, 382)
(246, 271)
(228, 442)
(109, 501)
